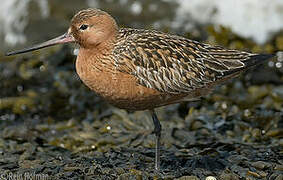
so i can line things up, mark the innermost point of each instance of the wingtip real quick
(8, 54)
(269, 56)
(258, 59)
(263, 56)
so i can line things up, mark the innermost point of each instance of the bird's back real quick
(176, 65)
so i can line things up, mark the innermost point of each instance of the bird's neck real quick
(96, 68)
(96, 58)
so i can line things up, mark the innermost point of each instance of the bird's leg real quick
(157, 132)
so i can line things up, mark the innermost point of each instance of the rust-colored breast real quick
(119, 88)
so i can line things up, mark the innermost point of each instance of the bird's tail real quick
(252, 61)
(257, 59)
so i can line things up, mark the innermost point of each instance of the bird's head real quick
(89, 28)
(92, 27)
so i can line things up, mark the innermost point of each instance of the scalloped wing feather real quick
(173, 64)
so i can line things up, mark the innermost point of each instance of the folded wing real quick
(174, 64)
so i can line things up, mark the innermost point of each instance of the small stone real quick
(210, 178)
(274, 132)
(230, 133)
(135, 171)
(205, 132)
(188, 178)
(246, 137)
(71, 168)
(27, 164)
(278, 167)
(262, 174)
(119, 170)
(279, 177)
(196, 125)
(258, 92)
(260, 165)
(256, 133)
(127, 176)
(247, 113)
(254, 174)
(277, 93)
(228, 176)
(275, 176)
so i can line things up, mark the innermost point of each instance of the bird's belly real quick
(119, 89)
(123, 91)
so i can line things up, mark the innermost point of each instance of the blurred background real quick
(44, 105)
(27, 21)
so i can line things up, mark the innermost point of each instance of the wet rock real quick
(19, 105)
(188, 178)
(130, 176)
(254, 174)
(257, 92)
(228, 176)
(261, 165)
(277, 93)
(274, 132)
(279, 177)
(50, 123)
(278, 167)
(210, 178)
(276, 176)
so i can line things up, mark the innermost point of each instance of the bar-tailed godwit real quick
(138, 69)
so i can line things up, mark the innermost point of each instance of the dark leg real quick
(157, 132)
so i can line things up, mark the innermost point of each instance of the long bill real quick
(65, 38)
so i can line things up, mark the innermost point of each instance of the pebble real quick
(188, 178)
(279, 177)
(228, 176)
(196, 125)
(256, 133)
(274, 132)
(128, 176)
(278, 167)
(210, 178)
(254, 174)
(261, 165)
(262, 173)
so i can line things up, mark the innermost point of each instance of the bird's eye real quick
(83, 27)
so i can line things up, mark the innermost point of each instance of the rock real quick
(188, 178)
(261, 165)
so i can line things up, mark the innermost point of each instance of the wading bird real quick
(137, 69)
